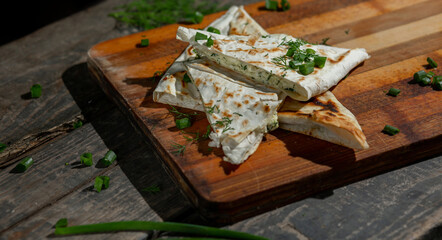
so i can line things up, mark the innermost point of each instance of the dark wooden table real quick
(401, 204)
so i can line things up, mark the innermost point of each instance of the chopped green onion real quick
(213, 30)
(209, 42)
(393, 92)
(183, 123)
(432, 63)
(3, 147)
(285, 5)
(271, 5)
(186, 78)
(307, 68)
(144, 42)
(152, 189)
(310, 51)
(98, 184)
(23, 165)
(160, 226)
(437, 83)
(418, 76)
(36, 91)
(294, 64)
(430, 74)
(200, 36)
(86, 159)
(63, 222)
(77, 124)
(109, 158)
(198, 17)
(425, 81)
(106, 180)
(319, 61)
(290, 52)
(390, 130)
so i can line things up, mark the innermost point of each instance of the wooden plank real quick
(228, 192)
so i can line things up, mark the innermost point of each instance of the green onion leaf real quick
(432, 63)
(310, 51)
(144, 42)
(294, 64)
(23, 165)
(285, 5)
(36, 91)
(63, 222)
(393, 92)
(186, 78)
(271, 5)
(213, 30)
(290, 52)
(437, 83)
(319, 61)
(109, 158)
(198, 17)
(209, 42)
(160, 226)
(98, 184)
(3, 147)
(307, 68)
(200, 36)
(390, 130)
(86, 159)
(183, 123)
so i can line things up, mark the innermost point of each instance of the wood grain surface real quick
(399, 42)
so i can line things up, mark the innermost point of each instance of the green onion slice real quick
(285, 5)
(319, 61)
(98, 185)
(24, 164)
(200, 36)
(106, 180)
(271, 5)
(310, 51)
(198, 17)
(290, 52)
(209, 42)
(307, 68)
(77, 124)
(418, 76)
(144, 42)
(390, 130)
(437, 83)
(109, 158)
(186, 78)
(86, 159)
(213, 30)
(160, 226)
(432, 63)
(63, 222)
(425, 81)
(294, 64)
(393, 92)
(183, 123)
(36, 91)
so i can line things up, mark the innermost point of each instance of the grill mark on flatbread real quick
(266, 108)
(216, 45)
(328, 106)
(226, 114)
(190, 50)
(246, 101)
(340, 58)
(239, 105)
(209, 104)
(245, 122)
(252, 41)
(198, 81)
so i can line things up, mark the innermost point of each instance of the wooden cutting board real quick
(399, 35)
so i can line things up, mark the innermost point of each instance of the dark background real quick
(19, 18)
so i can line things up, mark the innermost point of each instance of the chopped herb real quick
(66, 163)
(209, 42)
(179, 149)
(23, 165)
(152, 189)
(347, 31)
(208, 131)
(86, 159)
(393, 92)
(3, 147)
(319, 61)
(211, 110)
(425, 81)
(36, 91)
(432, 63)
(225, 122)
(186, 78)
(144, 42)
(63, 222)
(324, 41)
(182, 123)
(390, 130)
(310, 51)
(200, 36)
(285, 5)
(98, 184)
(265, 36)
(307, 68)
(179, 114)
(77, 124)
(238, 114)
(437, 83)
(213, 30)
(109, 158)
(195, 17)
(419, 76)
(271, 5)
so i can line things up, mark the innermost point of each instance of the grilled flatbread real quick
(255, 56)
(323, 117)
(239, 114)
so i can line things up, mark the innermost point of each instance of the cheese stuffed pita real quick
(256, 56)
(323, 117)
(239, 114)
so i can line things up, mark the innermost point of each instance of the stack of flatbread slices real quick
(245, 94)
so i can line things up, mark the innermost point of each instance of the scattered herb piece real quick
(347, 31)
(432, 63)
(152, 189)
(437, 83)
(195, 17)
(393, 92)
(425, 81)
(63, 222)
(186, 78)
(285, 5)
(211, 110)
(144, 42)
(390, 130)
(205, 231)
(319, 61)
(420, 76)
(98, 184)
(77, 124)
(307, 68)
(23, 165)
(325, 40)
(237, 114)
(3, 147)
(179, 114)
(106, 180)
(86, 159)
(109, 158)
(208, 131)
(224, 122)
(36, 91)
(182, 123)
(179, 149)
(200, 36)
(66, 163)
(213, 30)
(271, 5)
(209, 42)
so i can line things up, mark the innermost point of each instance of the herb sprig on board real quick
(148, 14)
